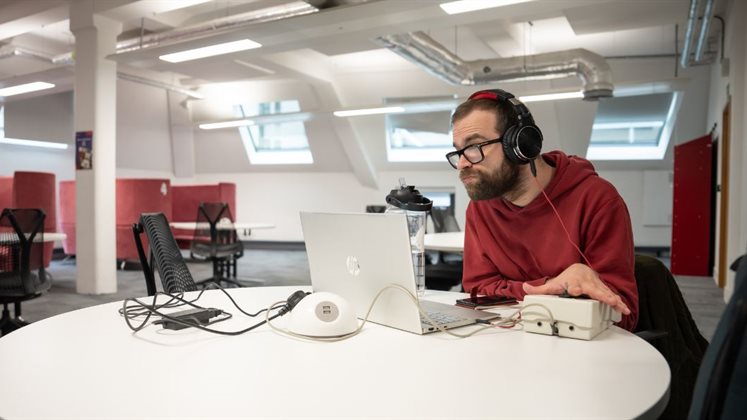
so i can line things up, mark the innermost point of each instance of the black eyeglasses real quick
(473, 153)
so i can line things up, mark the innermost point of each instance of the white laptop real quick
(356, 255)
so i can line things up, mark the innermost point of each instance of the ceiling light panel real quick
(210, 51)
(464, 6)
(369, 111)
(25, 88)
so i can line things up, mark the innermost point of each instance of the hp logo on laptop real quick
(353, 266)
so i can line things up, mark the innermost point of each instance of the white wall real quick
(649, 204)
(47, 118)
(728, 79)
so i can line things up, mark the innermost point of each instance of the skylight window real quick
(274, 143)
(422, 133)
(634, 127)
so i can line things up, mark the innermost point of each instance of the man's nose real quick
(463, 162)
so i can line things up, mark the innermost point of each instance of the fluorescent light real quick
(369, 111)
(34, 143)
(268, 119)
(210, 51)
(634, 124)
(25, 88)
(164, 7)
(463, 6)
(226, 124)
(551, 96)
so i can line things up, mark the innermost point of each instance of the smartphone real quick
(476, 301)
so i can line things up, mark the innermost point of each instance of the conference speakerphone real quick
(566, 317)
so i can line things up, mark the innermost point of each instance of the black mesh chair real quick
(215, 239)
(665, 321)
(721, 386)
(445, 270)
(165, 256)
(22, 274)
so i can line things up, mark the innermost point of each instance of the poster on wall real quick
(83, 150)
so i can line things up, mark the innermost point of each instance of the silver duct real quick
(229, 23)
(9, 51)
(692, 15)
(704, 27)
(422, 50)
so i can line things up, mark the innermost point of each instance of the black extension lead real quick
(198, 317)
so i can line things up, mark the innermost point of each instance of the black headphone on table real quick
(522, 141)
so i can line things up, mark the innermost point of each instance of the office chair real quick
(215, 239)
(446, 271)
(721, 386)
(665, 321)
(164, 255)
(22, 273)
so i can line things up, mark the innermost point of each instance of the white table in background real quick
(244, 229)
(49, 237)
(446, 241)
(88, 364)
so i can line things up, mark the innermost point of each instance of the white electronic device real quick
(573, 317)
(323, 314)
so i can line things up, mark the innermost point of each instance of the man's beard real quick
(492, 185)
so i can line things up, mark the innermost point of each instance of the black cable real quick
(140, 309)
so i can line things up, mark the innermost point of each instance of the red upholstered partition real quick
(691, 226)
(6, 192)
(67, 215)
(187, 198)
(136, 196)
(38, 190)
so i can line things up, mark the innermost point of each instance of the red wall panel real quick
(691, 225)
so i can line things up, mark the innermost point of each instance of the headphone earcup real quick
(509, 145)
(528, 141)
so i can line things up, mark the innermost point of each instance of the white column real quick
(95, 110)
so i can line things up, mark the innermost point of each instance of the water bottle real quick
(411, 202)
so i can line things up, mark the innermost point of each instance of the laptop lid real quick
(357, 255)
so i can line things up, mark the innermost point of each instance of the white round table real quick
(88, 364)
(446, 241)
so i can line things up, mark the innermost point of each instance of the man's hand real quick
(576, 280)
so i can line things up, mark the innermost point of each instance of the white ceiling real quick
(334, 47)
(607, 27)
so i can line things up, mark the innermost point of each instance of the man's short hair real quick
(502, 109)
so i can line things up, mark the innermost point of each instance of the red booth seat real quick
(67, 215)
(134, 196)
(186, 200)
(6, 192)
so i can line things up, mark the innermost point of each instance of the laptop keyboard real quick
(440, 318)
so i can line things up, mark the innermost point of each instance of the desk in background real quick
(243, 229)
(88, 364)
(445, 242)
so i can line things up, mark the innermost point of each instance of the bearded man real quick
(537, 223)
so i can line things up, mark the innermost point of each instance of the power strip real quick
(574, 317)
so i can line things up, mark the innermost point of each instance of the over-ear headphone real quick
(522, 140)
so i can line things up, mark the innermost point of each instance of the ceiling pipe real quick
(422, 50)
(692, 15)
(704, 26)
(9, 51)
(225, 24)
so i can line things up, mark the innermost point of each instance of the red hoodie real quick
(506, 245)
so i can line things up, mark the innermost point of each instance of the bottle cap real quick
(408, 198)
